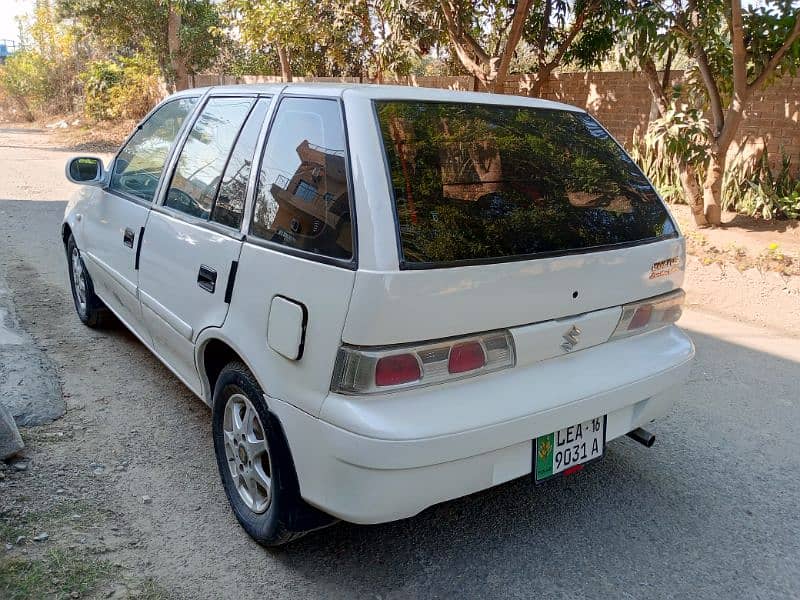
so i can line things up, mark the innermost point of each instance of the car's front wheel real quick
(91, 310)
(255, 463)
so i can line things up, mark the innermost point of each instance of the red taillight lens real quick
(466, 357)
(641, 317)
(397, 369)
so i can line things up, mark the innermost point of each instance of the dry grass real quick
(104, 136)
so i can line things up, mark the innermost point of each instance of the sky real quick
(8, 10)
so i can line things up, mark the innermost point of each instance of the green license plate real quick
(566, 449)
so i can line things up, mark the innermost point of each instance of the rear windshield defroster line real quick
(476, 183)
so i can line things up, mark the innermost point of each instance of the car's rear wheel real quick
(255, 463)
(91, 310)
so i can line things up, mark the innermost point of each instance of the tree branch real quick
(738, 51)
(656, 89)
(577, 25)
(542, 41)
(500, 33)
(667, 71)
(520, 14)
(776, 59)
(711, 86)
(459, 35)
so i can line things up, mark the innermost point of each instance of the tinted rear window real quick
(476, 182)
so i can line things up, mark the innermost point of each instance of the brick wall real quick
(622, 103)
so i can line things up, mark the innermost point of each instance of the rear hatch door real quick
(507, 216)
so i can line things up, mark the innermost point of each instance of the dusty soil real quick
(126, 489)
(748, 270)
(746, 242)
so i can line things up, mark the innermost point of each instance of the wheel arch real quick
(66, 231)
(213, 351)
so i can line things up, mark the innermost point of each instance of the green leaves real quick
(683, 133)
(126, 26)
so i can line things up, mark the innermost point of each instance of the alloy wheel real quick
(78, 279)
(247, 453)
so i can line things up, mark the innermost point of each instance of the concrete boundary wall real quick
(622, 103)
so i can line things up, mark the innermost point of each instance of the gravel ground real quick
(126, 480)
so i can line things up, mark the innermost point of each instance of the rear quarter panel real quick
(323, 289)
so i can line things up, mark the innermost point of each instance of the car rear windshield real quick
(478, 183)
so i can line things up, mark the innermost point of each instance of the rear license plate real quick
(569, 447)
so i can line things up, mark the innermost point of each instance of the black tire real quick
(287, 517)
(92, 313)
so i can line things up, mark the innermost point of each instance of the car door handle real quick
(127, 238)
(207, 278)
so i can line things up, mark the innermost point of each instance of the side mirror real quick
(85, 170)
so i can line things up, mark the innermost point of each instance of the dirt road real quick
(125, 484)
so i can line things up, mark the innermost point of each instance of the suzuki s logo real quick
(571, 339)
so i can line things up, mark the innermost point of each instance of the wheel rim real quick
(78, 280)
(247, 453)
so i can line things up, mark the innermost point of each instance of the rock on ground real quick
(29, 386)
(10, 440)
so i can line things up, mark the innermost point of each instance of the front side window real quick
(302, 200)
(475, 182)
(139, 165)
(204, 155)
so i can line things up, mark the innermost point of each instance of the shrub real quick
(749, 187)
(681, 134)
(754, 188)
(125, 88)
(24, 78)
(99, 78)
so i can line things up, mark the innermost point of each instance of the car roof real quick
(388, 92)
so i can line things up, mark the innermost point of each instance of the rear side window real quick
(302, 200)
(229, 206)
(476, 183)
(204, 156)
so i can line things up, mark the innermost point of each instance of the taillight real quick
(466, 357)
(396, 369)
(650, 314)
(361, 370)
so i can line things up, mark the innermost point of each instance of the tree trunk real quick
(177, 62)
(543, 75)
(712, 187)
(694, 195)
(499, 85)
(286, 67)
(501, 66)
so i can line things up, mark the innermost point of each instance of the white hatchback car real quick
(389, 296)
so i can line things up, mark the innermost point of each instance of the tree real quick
(41, 76)
(734, 53)
(287, 26)
(363, 38)
(647, 43)
(176, 32)
(389, 34)
(484, 35)
(584, 42)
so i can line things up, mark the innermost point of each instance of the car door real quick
(191, 247)
(114, 220)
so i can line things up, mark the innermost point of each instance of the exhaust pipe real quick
(644, 437)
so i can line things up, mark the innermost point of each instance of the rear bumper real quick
(373, 466)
